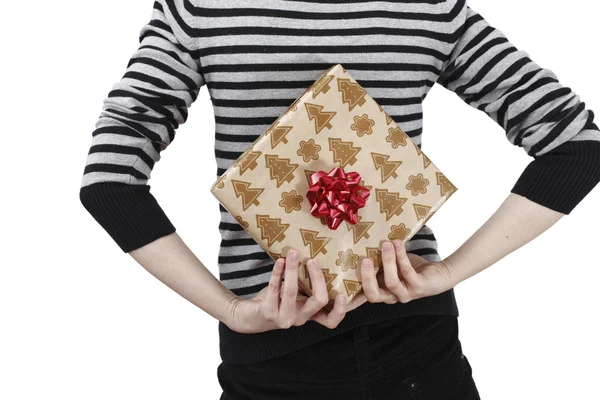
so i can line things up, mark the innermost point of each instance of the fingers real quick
(389, 258)
(373, 292)
(319, 297)
(406, 269)
(290, 290)
(335, 316)
(270, 306)
(369, 281)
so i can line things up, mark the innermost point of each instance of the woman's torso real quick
(257, 57)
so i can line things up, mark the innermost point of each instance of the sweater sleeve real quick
(537, 113)
(138, 120)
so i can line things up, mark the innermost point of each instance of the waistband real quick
(247, 348)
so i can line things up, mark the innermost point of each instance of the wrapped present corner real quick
(333, 177)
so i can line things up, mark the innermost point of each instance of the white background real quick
(79, 319)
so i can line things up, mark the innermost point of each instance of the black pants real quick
(417, 358)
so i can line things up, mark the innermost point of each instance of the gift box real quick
(333, 177)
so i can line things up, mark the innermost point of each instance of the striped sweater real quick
(256, 56)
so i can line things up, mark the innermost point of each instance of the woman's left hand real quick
(405, 277)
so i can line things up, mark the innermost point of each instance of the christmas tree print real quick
(308, 174)
(321, 85)
(316, 244)
(278, 134)
(362, 183)
(290, 154)
(421, 210)
(352, 287)
(446, 187)
(281, 169)
(417, 148)
(271, 229)
(248, 161)
(343, 152)
(388, 168)
(352, 93)
(400, 232)
(390, 203)
(374, 254)
(360, 229)
(427, 217)
(388, 119)
(249, 196)
(426, 160)
(315, 112)
(329, 277)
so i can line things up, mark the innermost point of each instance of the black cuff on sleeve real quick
(561, 178)
(129, 213)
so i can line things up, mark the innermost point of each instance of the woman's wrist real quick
(452, 271)
(230, 311)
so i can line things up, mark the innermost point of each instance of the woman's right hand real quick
(280, 306)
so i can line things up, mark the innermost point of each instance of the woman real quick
(399, 339)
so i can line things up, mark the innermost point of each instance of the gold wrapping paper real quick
(334, 123)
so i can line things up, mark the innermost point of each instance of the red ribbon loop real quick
(337, 196)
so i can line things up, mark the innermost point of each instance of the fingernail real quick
(293, 253)
(387, 246)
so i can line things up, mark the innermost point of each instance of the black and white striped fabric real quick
(256, 56)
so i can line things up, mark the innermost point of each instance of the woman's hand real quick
(280, 307)
(405, 277)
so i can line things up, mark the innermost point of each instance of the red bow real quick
(337, 196)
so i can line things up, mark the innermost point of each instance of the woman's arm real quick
(540, 115)
(536, 111)
(407, 276)
(277, 306)
(138, 121)
(172, 262)
(517, 221)
(548, 120)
